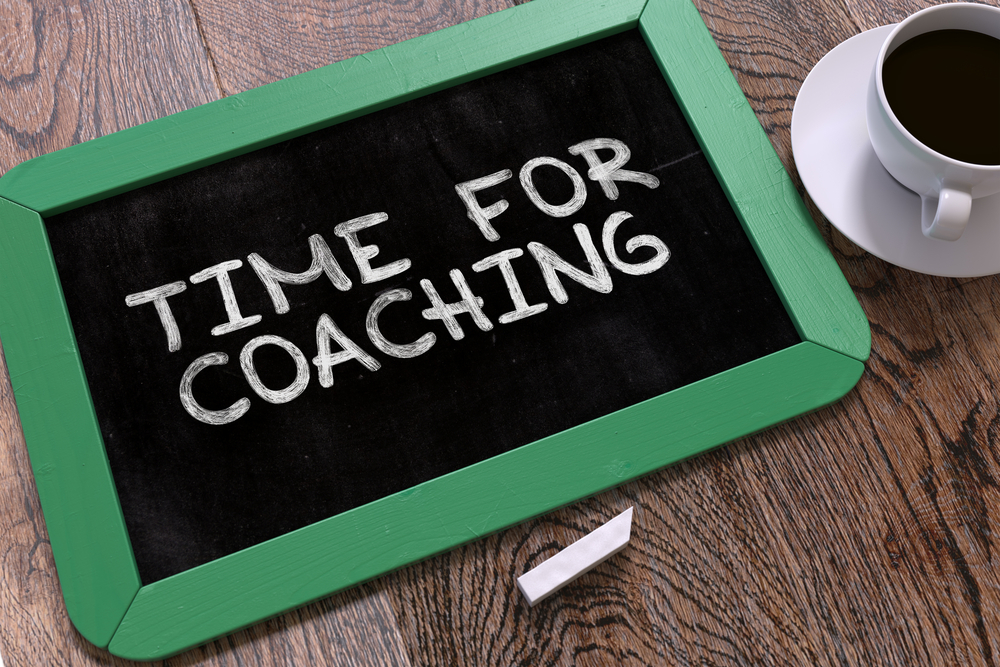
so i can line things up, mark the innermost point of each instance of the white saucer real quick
(850, 186)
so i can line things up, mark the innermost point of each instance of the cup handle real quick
(944, 217)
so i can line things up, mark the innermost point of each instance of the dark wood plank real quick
(254, 43)
(71, 70)
(357, 628)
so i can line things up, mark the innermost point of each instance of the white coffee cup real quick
(946, 186)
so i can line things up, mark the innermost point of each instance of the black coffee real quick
(944, 87)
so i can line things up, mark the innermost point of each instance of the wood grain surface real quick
(254, 43)
(859, 535)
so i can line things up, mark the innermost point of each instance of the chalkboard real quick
(193, 491)
(533, 268)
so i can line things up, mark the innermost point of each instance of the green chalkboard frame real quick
(100, 582)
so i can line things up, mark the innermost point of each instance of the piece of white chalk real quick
(577, 559)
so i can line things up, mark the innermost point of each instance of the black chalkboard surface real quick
(192, 492)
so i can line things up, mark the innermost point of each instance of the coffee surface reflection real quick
(944, 87)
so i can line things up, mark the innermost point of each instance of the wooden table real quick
(861, 534)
